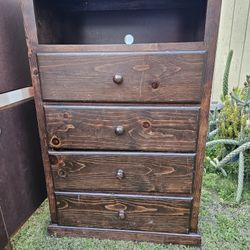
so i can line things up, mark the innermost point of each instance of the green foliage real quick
(226, 74)
(232, 118)
(225, 187)
(217, 183)
(230, 128)
(233, 134)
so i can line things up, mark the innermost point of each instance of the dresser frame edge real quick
(115, 234)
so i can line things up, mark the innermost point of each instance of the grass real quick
(223, 225)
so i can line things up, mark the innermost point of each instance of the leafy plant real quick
(213, 116)
(232, 131)
(233, 118)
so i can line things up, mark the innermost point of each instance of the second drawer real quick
(122, 172)
(147, 128)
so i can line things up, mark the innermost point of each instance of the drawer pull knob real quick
(121, 215)
(119, 130)
(120, 174)
(118, 79)
(155, 85)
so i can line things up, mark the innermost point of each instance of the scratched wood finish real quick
(147, 77)
(142, 172)
(155, 128)
(146, 213)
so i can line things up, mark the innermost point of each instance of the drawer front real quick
(172, 129)
(145, 213)
(170, 77)
(121, 171)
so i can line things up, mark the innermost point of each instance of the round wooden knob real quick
(122, 215)
(118, 79)
(120, 174)
(155, 84)
(119, 130)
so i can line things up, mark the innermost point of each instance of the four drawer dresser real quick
(122, 92)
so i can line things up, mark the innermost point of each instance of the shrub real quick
(231, 130)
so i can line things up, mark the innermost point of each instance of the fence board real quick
(234, 34)
(225, 31)
(245, 67)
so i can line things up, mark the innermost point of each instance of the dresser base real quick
(113, 234)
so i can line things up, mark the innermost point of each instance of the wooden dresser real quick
(122, 91)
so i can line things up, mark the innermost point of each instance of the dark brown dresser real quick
(122, 90)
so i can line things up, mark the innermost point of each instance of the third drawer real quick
(122, 171)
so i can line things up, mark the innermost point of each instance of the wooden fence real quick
(234, 34)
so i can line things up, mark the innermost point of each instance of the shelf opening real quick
(120, 21)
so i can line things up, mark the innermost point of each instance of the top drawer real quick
(160, 77)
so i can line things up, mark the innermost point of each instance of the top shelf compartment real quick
(120, 21)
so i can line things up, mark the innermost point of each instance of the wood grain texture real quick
(212, 26)
(146, 213)
(143, 172)
(32, 41)
(115, 234)
(147, 128)
(92, 126)
(147, 77)
(146, 47)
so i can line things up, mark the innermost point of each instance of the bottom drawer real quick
(127, 212)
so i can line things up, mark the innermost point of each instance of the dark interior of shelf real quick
(109, 21)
